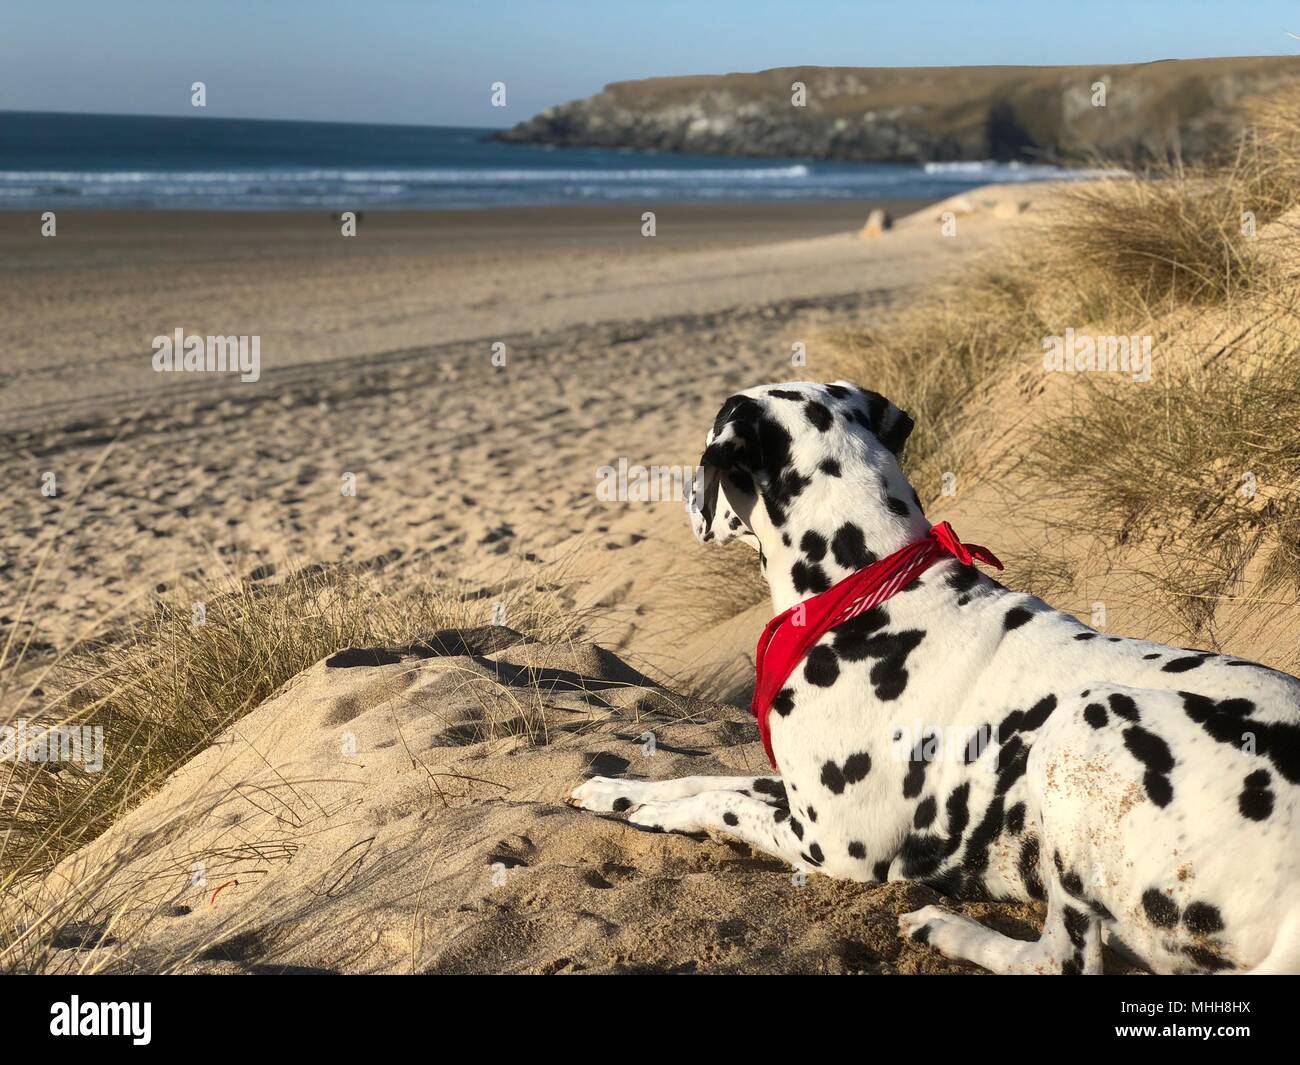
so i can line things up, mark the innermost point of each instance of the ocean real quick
(48, 161)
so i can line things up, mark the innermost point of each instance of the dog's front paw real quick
(918, 924)
(605, 795)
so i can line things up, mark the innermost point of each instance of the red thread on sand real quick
(213, 901)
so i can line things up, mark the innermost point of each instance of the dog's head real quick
(769, 444)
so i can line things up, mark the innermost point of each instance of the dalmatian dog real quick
(979, 741)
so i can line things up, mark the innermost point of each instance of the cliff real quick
(901, 114)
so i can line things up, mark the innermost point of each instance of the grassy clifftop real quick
(1150, 110)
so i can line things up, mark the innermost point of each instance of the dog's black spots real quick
(780, 815)
(922, 934)
(774, 446)
(1159, 908)
(812, 814)
(853, 639)
(921, 855)
(1226, 722)
(913, 780)
(1148, 749)
(734, 524)
(856, 767)
(976, 858)
(1072, 966)
(818, 415)
(889, 676)
(1182, 665)
(1154, 753)
(1015, 617)
(816, 853)
(899, 430)
(784, 702)
(743, 481)
(621, 804)
(957, 809)
(1072, 883)
(880, 870)
(1013, 756)
(1202, 918)
(833, 778)
(1283, 749)
(950, 882)
(1122, 706)
(1027, 720)
(836, 778)
(1100, 911)
(731, 819)
(977, 743)
(821, 668)
(963, 578)
(775, 512)
(809, 578)
(813, 545)
(859, 639)
(1256, 799)
(1085, 636)
(918, 761)
(1036, 716)
(839, 391)
(796, 826)
(1207, 959)
(1153, 655)
(926, 811)
(1112, 639)
(1095, 714)
(1223, 720)
(737, 408)
(1016, 819)
(1076, 926)
(897, 506)
(857, 849)
(830, 467)
(785, 393)
(1027, 865)
(768, 786)
(849, 547)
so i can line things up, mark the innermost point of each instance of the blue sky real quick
(432, 62)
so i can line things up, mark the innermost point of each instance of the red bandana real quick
(785, 642)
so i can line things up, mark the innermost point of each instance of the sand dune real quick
(361, 821)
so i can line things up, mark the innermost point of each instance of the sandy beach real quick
(376, 359)
(377, 371)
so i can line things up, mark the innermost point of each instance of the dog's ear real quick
(891, 424)
(734, 446)
(733, 454)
